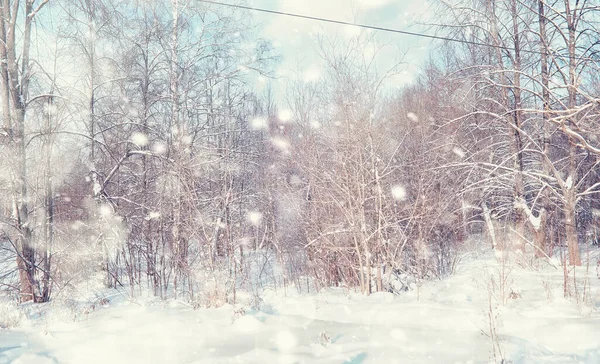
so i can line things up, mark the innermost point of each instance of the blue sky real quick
(296, 39)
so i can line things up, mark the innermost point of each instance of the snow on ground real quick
(445, 321)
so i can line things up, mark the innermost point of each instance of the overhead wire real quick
(366, 26)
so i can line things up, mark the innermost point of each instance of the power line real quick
(383, 29)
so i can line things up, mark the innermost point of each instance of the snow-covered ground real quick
(445, 321)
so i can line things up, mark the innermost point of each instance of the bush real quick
(10, 314)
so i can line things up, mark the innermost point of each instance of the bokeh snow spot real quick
(258, 123)
(153, 215)
(459, 152)
(139, 139)
(254, 217)
(412, 117)
(159, 148)
(281, 143)
(399, 193)
(187, 140)
(499, 254)
(285, 115)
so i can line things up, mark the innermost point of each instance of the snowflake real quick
(412, 117)
(254, 217)
(285, 115)
(259, 123)
(139, 139)
(399, 193)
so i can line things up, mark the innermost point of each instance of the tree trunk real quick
(570, 188)
(545, 116)
(14, 94)
(540, 235)
(4, 81)
(489, 224)
(570, 228)
(26, 256)
(518, 142)
(515, 138)
(49, 218)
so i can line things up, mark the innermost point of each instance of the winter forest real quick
(169, 195)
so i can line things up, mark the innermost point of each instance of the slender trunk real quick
(540, 235)
(379, 276)
(518, 142)
(379, 206)
(4, 80)
(15, 89)
(489, 224)
(545, 115)
(515, 136)
(570, 190)
(49, 223)
(26, 258)
(361, 270)
(571, 229)
(179, 248)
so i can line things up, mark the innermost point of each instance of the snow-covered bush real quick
(10, 314)
(8, 267)
(398, 282)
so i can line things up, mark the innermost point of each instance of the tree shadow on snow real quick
(357, 359)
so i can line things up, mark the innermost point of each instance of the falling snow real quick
(412, 117)
(259, 123)
(458, 152)
(281, 143)
(285, 115)
(254, 217)
(159, 148)
(189, 182)
(399, 192)
(139, 139)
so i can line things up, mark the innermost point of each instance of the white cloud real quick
(373, 4)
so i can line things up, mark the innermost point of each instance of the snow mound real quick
(33, 359)
(247, 324)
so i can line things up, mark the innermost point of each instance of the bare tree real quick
(16, 75)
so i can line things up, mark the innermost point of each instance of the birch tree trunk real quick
(15, 74)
